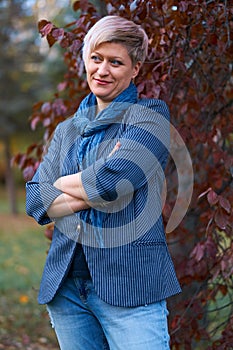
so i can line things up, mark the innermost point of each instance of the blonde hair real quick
(118, 30)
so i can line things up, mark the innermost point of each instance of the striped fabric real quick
(129, 262)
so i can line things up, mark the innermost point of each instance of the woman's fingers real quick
(116, 147)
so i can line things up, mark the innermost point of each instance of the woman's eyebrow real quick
(111, 56)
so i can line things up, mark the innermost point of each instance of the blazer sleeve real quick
(143, 152)
(40, 192)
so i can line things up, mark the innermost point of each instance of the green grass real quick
(23, 323)
(22, 252)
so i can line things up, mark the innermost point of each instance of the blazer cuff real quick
(95, 192)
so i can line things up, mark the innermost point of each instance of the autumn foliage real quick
(190, 67)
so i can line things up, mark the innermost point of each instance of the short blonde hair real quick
(118, 30)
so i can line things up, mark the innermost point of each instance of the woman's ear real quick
(136, 69)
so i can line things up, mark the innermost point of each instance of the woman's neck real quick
(101, 105)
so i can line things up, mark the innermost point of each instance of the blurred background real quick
(28, 74)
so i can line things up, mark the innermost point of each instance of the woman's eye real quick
(95, 58)
(116, 62)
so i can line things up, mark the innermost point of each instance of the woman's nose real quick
(103, 68)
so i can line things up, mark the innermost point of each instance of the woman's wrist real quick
(65, 205)
(72, 185)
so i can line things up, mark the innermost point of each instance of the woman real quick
(108, 271)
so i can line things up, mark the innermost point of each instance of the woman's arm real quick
(143, 150)
(66, 205)
(44, 201)
(72, 186)
(142, 155)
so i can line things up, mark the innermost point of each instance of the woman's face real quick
(109, 72)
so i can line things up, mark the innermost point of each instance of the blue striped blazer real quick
(127, 254)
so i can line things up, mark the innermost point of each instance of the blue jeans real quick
(83, 321)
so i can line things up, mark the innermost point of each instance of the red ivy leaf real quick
(37, 105)
(46, 107)
(34, 122)
(225, 204)
(31, 148)
(62, 86)
(183, 6)
(198, 252)
(58, 33)
(22, 161)
(80, 5)
(51, 40)
(220, 219)
(45, 27)
(212, 197)
(28, 173)
(49, 231)
(46, 122)
(76, 6)
(42, 23)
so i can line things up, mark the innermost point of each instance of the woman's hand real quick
(117, 146)
(66, 205)
(72, 184)
(74, 197)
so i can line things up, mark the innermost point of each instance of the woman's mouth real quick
(102, 82)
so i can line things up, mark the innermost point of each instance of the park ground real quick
(23, 323)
